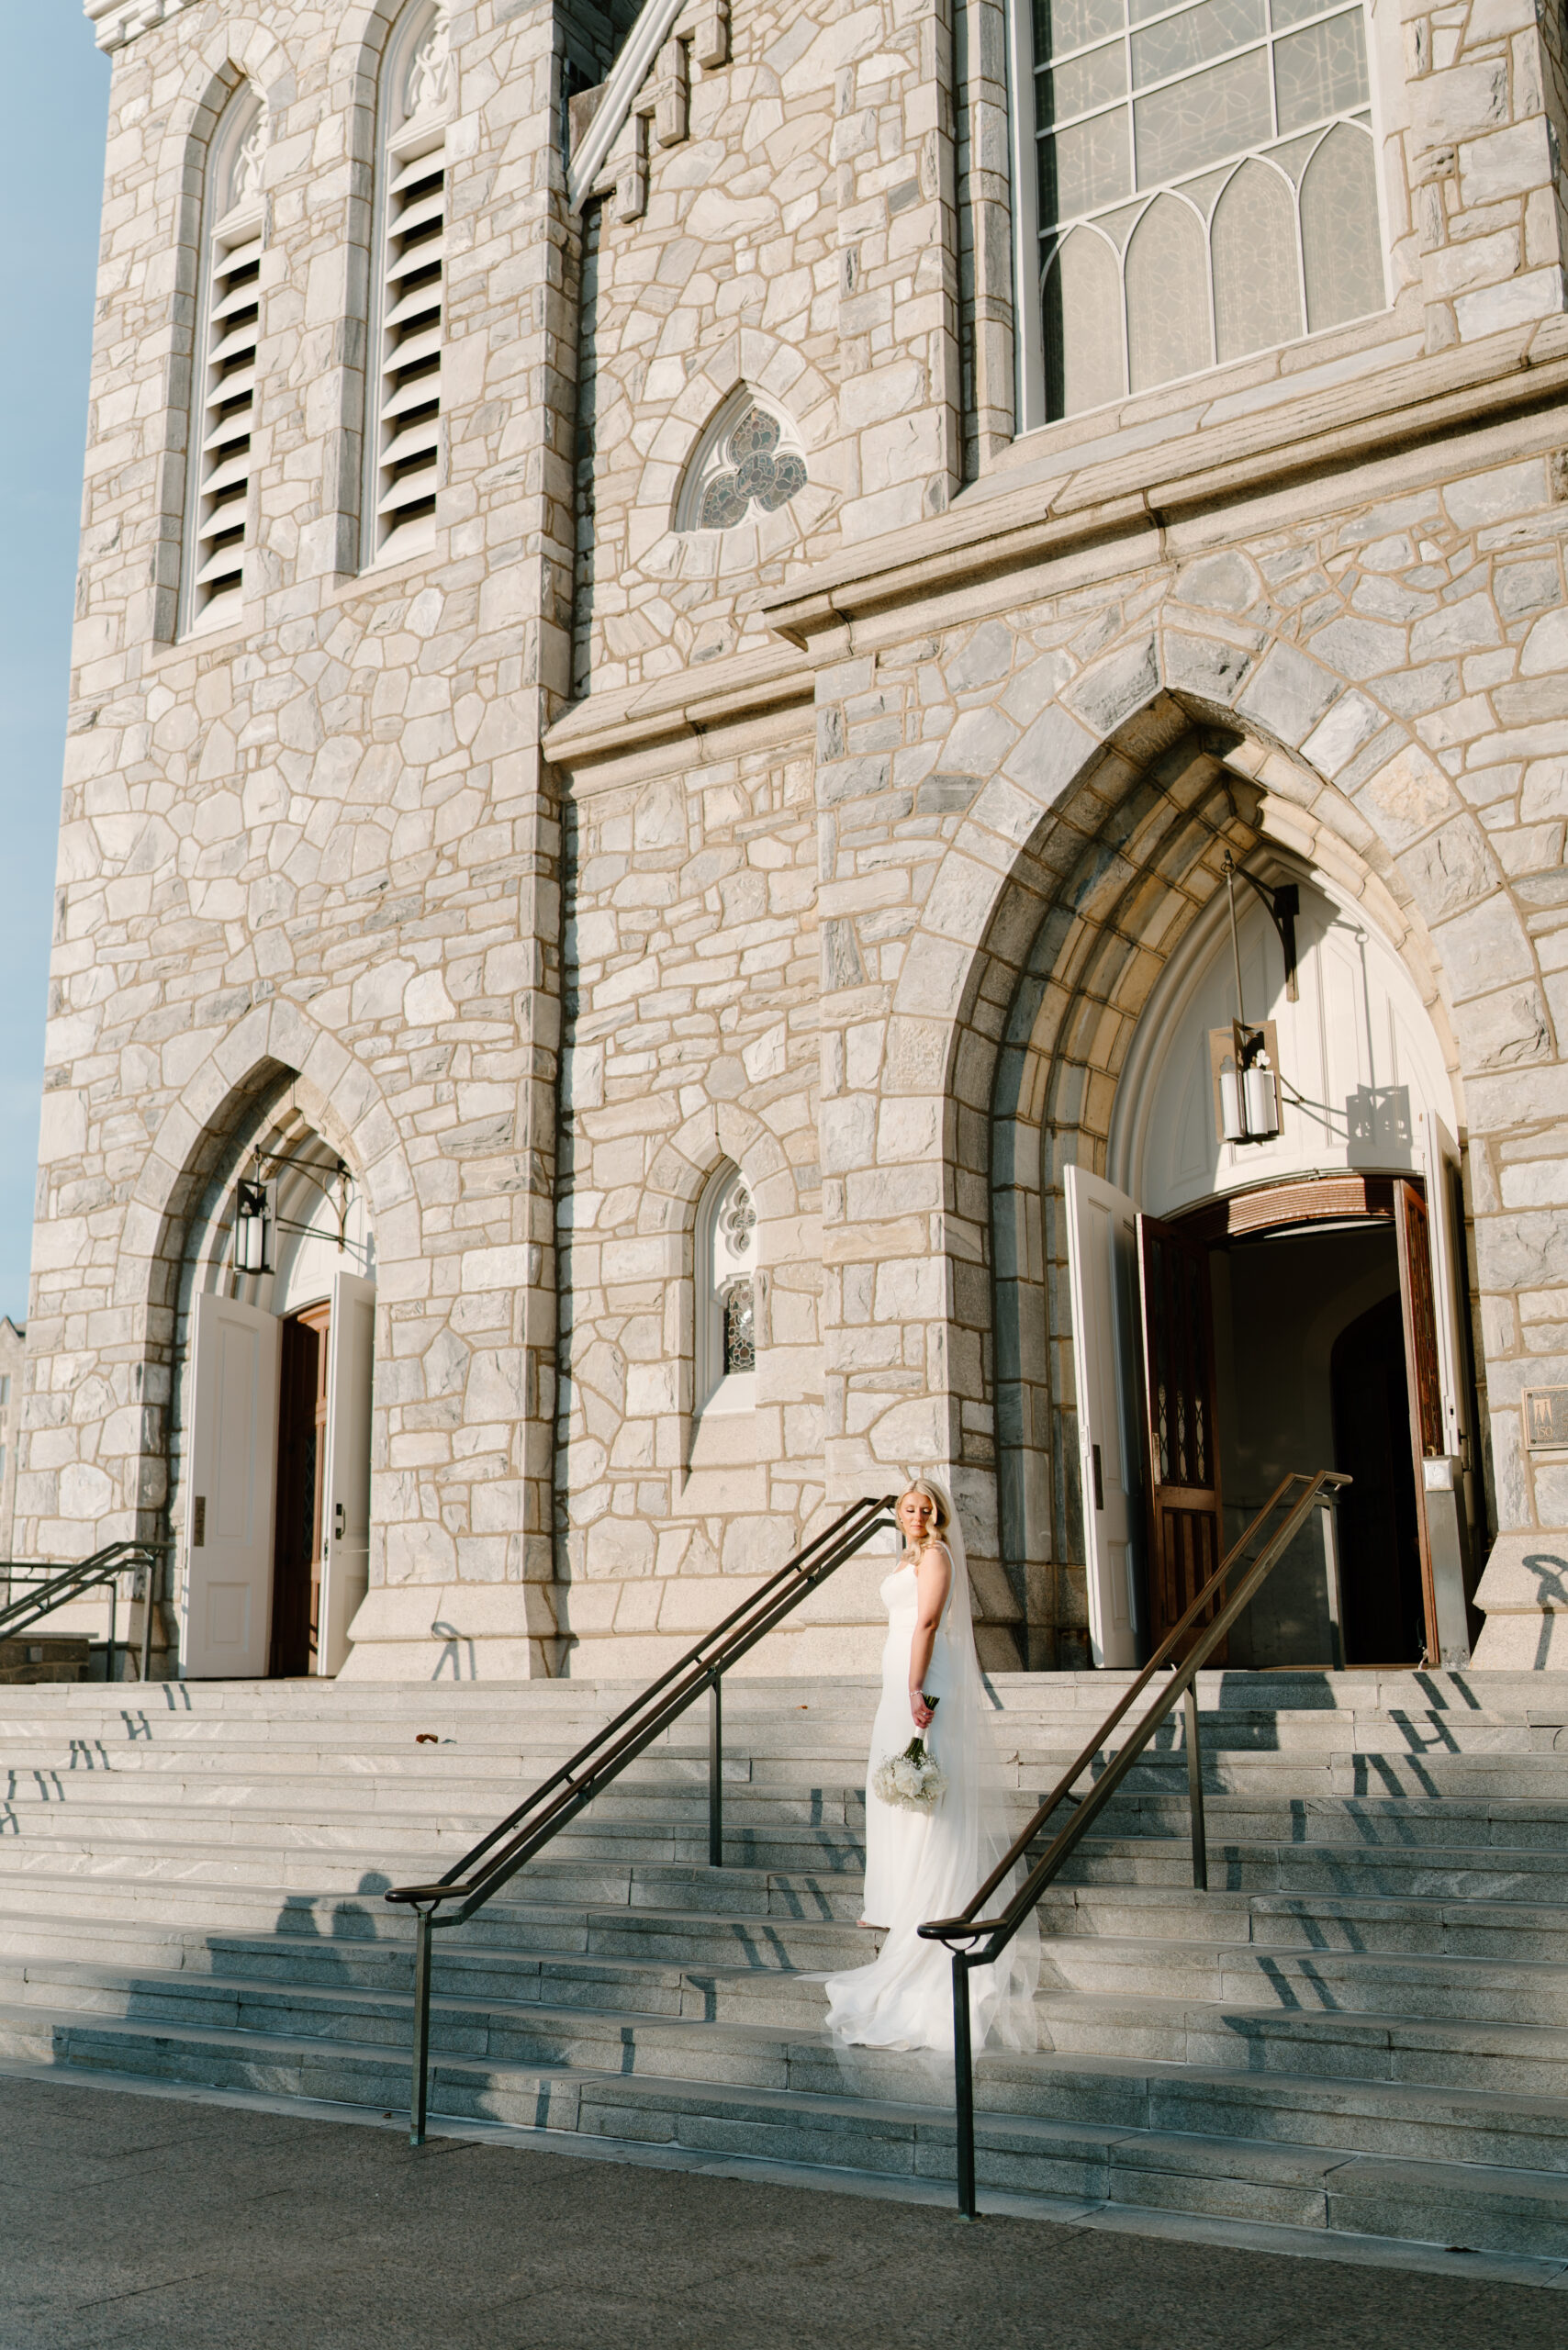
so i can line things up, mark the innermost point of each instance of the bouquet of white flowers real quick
(913, 1780)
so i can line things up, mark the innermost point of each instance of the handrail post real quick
(420, 2084)
(963, 2086)
(114, 1619)
(1196, 1786)
(716, 1772)
(150, 1572)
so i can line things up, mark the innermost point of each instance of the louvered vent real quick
(409, 423)
(231, 322)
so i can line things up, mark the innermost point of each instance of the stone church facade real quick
(680, 612)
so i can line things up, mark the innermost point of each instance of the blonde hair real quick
(921, 1485)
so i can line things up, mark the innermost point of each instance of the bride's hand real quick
(921, 1712)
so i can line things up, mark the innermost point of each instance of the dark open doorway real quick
(1379, 1537)
(1311, 1359)
(301, 1468)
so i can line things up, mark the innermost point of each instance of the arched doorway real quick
(1231, 1301)
(271, 1450)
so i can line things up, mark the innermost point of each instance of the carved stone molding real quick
(115, 22)
(646, 100)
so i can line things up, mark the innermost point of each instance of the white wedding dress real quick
(920, 1866)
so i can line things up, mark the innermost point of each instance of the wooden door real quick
(1185, 1541)
(1101, 1257)
(301, 1471)
(233, 1374)
(1419, 1306)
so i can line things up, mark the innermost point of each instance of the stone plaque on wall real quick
(1546, 1419)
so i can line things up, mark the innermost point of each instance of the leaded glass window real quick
(727, 1279)
(748, 462)
(1206, 182)
(740, 1327)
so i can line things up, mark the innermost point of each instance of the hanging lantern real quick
(1244, 1059)
(1260, 1098)
(251, 1218)
(1244, 1067)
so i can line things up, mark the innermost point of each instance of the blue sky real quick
(50, 175)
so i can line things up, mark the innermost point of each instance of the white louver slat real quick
(231, 326)
(408, 383)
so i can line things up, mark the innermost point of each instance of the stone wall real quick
(320, 842)
(13, 1354)
(857, 853)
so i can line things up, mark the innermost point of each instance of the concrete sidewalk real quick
(130, 2221)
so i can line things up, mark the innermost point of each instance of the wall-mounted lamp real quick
(251, 1217)
(255, 1215)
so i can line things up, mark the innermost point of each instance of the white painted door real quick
(345, 1491)
(1447, 1479)
(231, 1491)
(1101, 1257)
(1445, 1201)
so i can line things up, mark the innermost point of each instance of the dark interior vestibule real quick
(1310, 1361)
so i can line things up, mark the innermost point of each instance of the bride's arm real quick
(933, 1575)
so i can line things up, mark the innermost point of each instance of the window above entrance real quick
(1203, 182)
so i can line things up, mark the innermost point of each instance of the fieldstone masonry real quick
(554, 870)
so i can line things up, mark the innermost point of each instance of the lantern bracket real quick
(1283, 906)
(251, 1193)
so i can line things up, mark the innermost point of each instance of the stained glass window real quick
(753, 469)
(1257, 299)
(740, 1320)
(1167, 295)
(1339, 220)
(727, 1295)
(1206, 185)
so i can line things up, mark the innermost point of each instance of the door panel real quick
(229, 1491)
(1183, 1455)
(1101, 1257)
(345, 1534)
(1450, 1482)
(1417, 1306)
(1445, 1204)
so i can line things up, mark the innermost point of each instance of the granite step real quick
(1487, 2206)
(1364, 2024)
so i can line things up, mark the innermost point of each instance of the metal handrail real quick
(558, 1800)
(969, 1928)
(53, 1588)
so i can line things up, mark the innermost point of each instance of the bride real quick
(926, 1864)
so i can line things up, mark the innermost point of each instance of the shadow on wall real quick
(452, 1653)
(1551, 1598)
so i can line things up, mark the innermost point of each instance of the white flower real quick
(910, 1781)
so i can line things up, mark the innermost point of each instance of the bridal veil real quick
(905, 1998)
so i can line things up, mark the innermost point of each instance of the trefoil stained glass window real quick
(747, 464)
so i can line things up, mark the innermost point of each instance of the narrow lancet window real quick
(726, 1302)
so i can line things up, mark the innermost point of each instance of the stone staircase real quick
(1362, 2030)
